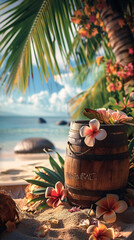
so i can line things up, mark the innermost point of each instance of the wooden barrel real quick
(90, 173)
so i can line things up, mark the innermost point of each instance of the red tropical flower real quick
(55, 196)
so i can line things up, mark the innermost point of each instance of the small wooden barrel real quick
(91, 173)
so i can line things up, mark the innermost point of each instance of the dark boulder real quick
(33, 145)
(41, 120)
(62, 122)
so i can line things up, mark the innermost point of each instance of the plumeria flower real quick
(55, 196)
(93, 132)
(120, 117)
(100, 232)
(109, 206)
(41, 231)
(105, 114)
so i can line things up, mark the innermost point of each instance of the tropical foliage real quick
(36, 28)
(45, 177)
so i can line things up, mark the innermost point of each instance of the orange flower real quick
(108, 44)
(95, 31)
(78, 13)
(92, 9)
(87, 10)
(99, 60)
(101, 24)
(118, 85)
(100, 232)
(97, 15)
(121, 22)
(75, 20)
(109, 206)
(83, 32)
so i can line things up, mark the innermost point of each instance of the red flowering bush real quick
(116, 73)
(89, 19)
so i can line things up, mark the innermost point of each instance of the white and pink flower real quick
(55, 196)
(93, 132)
(120, 117)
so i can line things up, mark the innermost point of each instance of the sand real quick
(68, 227)
(12, 180)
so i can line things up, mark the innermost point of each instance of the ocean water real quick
(16, 128)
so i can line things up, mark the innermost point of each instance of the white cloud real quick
(43, 102)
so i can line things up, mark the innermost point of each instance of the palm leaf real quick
(94, 97)
(35, 28)
(53, 175)
(39, 183)
(46, 178)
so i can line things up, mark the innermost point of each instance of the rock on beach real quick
(41, 120)
(33, 145)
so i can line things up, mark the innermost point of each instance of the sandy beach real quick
(15, 168)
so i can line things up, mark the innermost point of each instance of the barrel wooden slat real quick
(102, 169)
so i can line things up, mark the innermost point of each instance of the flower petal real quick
(102, 203)
(59, 187)
(109, 217)
(92, 237)
(63, 194)
(91, 228)
(89, 141)
(102, 227)
(94, 124)
(109, 233)
(112, 199)
(102, 134)
(100, 211)
(57, 202)
(120, 206)
(50, 202)
(84, 131)
(48, 191)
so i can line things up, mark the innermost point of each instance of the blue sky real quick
(48, 99)
(42, 99)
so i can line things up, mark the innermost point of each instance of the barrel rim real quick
(102, 124)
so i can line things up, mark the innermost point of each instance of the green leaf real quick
(39, 191)
(45, 177)
(39, 183)
(36, 199)
(61, 160)
(42, 205)
(56, 168)
(51, 173)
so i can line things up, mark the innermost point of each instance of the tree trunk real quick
(121, 38)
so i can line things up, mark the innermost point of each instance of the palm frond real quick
(34, 28)
(94, 97)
